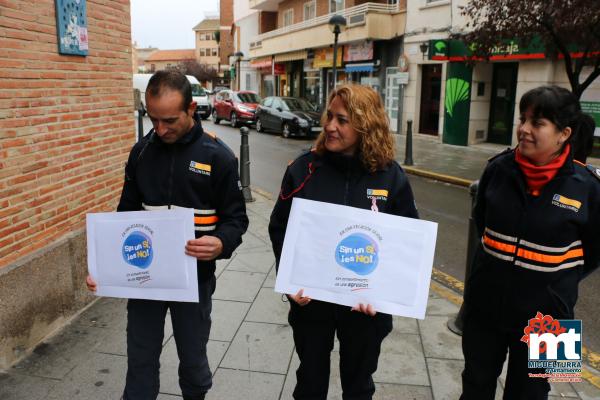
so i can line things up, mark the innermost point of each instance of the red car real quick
(236, 107)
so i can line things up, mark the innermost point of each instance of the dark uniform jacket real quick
(338, 179)
(533, 250)
(198, 171)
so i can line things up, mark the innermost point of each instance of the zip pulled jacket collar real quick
(346, 163)
(194, 134)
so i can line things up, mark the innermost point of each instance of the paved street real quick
(251, 350)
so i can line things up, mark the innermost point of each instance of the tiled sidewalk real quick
(250, 350)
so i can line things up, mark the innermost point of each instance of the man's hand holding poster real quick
(347, 256)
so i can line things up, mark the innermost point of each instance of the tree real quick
(202, 72)
(568, 29)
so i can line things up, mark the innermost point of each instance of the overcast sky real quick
(168, 24)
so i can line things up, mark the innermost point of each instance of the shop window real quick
(336, 5)
(288, 17)
(310, 10)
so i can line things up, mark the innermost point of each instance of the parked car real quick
(236, 107)
(289, 115)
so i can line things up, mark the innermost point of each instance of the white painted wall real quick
(480, 105)
(248, 29)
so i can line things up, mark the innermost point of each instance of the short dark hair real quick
(172, 80)
(562, 108)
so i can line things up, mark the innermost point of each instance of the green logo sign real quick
(440, 46)
(456, 90)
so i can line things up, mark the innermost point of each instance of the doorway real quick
(502, 103)
(431, 88)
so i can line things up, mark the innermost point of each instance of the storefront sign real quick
(279, 69)
(456, 50)
(261, 63)
(324, 58)
(457, 103)
(358, 52)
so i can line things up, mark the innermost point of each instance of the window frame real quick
(290, 12)
(312, 4)
(343, 7)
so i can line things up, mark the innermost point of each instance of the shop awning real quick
(291, 56)
(362, 67)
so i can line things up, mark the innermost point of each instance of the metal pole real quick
(456, 324)
(140, 121)
(335, 41)
(245, 165)
(408, 159)
(400, 109)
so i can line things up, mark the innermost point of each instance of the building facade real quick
(207, 47)
(466, 103)
(294, 49)
(163, 59)
(139, 56)
(244, 29)
(66, 127)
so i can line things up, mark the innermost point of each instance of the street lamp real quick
(424, 47)
(238, 57)
(337, 24)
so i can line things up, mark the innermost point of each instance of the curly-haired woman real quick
(353, 156)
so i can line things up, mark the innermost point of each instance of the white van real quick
(199, 95)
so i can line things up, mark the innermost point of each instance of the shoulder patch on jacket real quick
(492, 158)
(594, 171)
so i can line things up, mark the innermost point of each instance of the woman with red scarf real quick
(538, 216)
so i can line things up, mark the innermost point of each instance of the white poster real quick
(141, 254)
(347, 256)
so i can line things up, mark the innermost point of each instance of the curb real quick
(454, 180)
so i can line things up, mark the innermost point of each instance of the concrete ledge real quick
(39, 294)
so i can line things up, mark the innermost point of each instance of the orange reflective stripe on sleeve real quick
(206, 220)
(532, 255)
(507, 248)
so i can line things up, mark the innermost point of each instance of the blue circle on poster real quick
(357, 252)
(137, 250)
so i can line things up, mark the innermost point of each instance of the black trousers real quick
(485, 346)
(360, 337)
(145, 332)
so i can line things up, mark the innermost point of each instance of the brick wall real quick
(66, 122)
(226, 42)
(66, 126)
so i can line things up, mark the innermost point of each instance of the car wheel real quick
(234, 120)
(285, 130)
(205, 116)
(259, 127)
(215, 118)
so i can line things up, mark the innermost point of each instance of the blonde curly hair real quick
(368, 118)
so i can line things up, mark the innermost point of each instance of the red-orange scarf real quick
(538, 176)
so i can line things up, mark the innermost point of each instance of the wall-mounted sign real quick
(324, 58)
(358, 51)
(403, 63)
(279, 68)
(71, 27)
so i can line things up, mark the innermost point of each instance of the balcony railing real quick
(354, 16)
